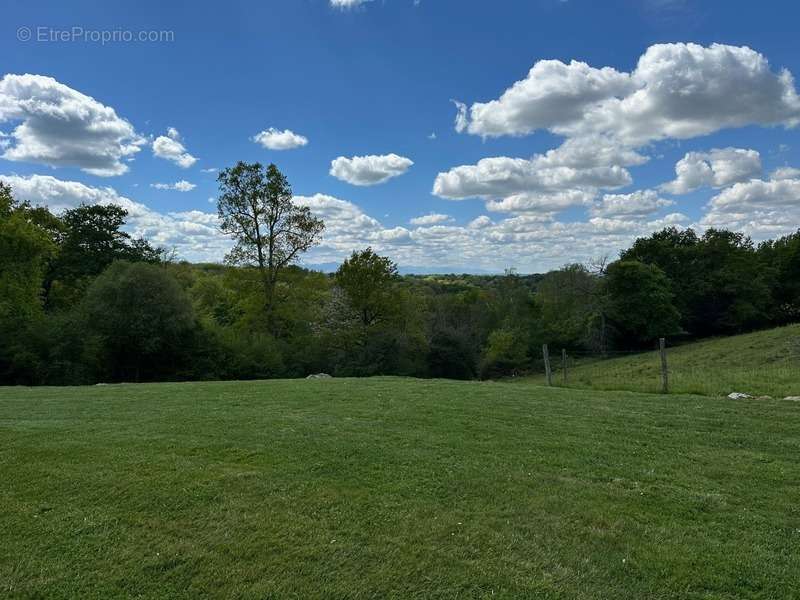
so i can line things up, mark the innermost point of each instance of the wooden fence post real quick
(662, 346)
(564, 366)
(548, 373)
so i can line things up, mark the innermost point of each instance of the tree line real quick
(81, 301)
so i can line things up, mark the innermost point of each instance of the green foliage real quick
(143, 320)
(25, 248)
(641, 306)
(505, 354)
(781, 261)
(367, 280)
(90, 238)
(363, 320)
(570, 298)
(452, 355)
(270, 230)
(720, 282)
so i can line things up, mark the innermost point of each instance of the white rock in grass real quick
(738, 396)
(319, 376)
(793, 398)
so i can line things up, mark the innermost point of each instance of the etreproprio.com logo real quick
(45, 34)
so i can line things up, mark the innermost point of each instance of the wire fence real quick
(677, 370)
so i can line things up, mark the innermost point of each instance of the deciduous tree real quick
(255, 207)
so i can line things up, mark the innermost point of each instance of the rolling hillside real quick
(760, 363)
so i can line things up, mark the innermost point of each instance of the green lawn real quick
(760, 363)
(393, 488)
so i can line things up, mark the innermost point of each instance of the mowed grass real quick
(393, 488)
(760, 363)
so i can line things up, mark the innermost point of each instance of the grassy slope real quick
(765, 362)
(395, 488)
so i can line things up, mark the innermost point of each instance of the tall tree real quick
(641, 305)
(781, 260)
(91, 238)
(25, 248)
(142, 318)
(255, 207)
(367, 280)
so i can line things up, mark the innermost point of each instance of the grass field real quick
(761, 363)
(393, 488)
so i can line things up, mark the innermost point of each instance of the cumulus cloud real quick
(479, 222)
(369, 170)
(569, 175)
(549, 202)
(716, 168)
(785, 173)
(169, 147)
(274, 139)
(552, 93)
(760, 208)
(194, 234)
(636, 204)
(431, 219)
(503, 177)
(677, 91)
(178, 186)
(61, 127)
(347, 228)
(528, 242)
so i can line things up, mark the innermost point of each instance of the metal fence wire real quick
(674, 370)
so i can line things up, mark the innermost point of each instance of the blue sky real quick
(378, 79)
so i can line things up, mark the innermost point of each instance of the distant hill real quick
(331, 267)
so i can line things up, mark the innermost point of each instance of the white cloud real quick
(502, 177)
(528, 242)
(274, 139)
(210, 170)
(61, 127)
(760, 208)
(369, 170)
(785, 173)
(570, 175)
(640, 203)
(179, 186)
(348, 3)
(546, 203)
(677, 91)
(462, 118)
(480, 222)
(431, 219)
(552, 93)
(169, 147)
(194, 234)
(716, 168)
